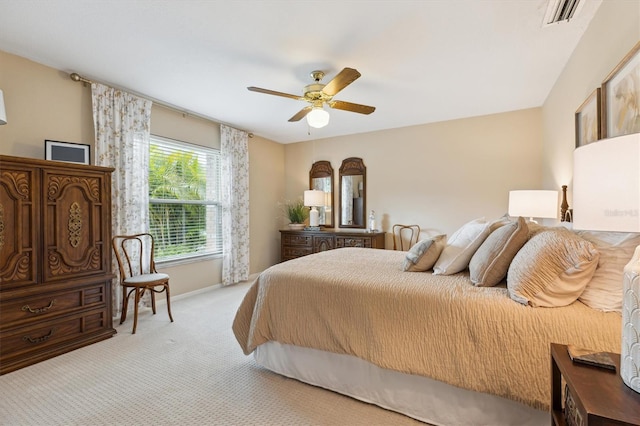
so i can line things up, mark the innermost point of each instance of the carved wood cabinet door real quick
(18, 226)
(74, 233)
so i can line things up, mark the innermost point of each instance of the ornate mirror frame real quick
(353, 194)
(321, 178)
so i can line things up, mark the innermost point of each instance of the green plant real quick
(296, 211)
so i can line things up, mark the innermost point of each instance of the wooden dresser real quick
(55, 259)
(301, 243)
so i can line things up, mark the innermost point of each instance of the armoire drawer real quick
(46, 334)
(35, 308)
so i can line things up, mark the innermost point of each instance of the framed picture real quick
(67, 151)
(588, 120)
(620, 97)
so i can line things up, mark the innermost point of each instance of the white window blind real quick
(184, 199)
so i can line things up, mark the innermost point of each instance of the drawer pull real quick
(39, 339)
(38, 310)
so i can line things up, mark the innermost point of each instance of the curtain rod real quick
(78, 78)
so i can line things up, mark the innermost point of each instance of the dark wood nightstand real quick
(596, 396)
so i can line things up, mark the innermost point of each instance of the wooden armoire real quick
(55, 259)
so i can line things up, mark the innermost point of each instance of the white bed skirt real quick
(418, 397)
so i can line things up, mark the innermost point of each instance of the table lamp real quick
(314, 198)
(533, 203)
(606, 197)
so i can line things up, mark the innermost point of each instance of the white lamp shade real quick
(606, 197)
(606, 185)
(533, 203)
(313, 198)
(318, 117)
(3, 112)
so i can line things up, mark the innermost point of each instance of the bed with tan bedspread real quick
(359, 302)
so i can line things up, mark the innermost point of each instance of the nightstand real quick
(594, 396)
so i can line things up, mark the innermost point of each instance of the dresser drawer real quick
(353, 242)
(46, 334)
(293, 252)
(35, 308)
(296, 240)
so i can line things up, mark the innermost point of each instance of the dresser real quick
(55, 259)
(301, 243)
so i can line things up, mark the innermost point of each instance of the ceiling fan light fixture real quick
(318, 118)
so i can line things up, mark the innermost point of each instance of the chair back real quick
(134, 254)
(405, 236)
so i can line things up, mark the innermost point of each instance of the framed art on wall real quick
(67, 151)
(621, 97)
(588, 120)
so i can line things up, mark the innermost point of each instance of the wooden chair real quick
(405, 236)
(138, 274)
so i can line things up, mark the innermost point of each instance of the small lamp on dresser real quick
(606, 197)
(314, 198)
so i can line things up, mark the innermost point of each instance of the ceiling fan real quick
(317, 94)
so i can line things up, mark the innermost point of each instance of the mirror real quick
(353, 191)
(321, 178)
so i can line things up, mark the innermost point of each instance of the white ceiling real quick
(421, 61)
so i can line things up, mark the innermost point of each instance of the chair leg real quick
(153, 300)
(125, 305)
(166, 288)
(135, 310)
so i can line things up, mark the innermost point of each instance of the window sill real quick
(185, 261)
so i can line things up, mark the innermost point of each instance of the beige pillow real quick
(604, 291)
(490, 263)
(461, 246)
(552, 268)
(423, 255)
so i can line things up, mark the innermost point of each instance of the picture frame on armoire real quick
(588, 120)
(67, 151)
(620, 100)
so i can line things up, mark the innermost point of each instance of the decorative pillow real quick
(552, 268)
(461, 246)
(423, 255)
(604, 291)
(490, 263)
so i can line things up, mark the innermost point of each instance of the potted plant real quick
(297, 213)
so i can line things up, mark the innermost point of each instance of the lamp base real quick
(314, 217)
(630, 353)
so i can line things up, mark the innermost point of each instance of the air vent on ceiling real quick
(561, 11)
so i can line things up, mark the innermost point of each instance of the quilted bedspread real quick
(359, 302)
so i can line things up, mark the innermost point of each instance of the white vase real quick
(630, 354)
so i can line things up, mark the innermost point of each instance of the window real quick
(185, 212)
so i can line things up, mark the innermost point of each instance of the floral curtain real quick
(234, 153)
(122, 122)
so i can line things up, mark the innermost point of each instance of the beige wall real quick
(44, 103)
(41, 103)
(614, 30)
(439, 175)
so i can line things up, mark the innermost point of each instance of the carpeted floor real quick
(188, 372)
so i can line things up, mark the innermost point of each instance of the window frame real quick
(182, 146)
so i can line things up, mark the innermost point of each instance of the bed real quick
(432, 346)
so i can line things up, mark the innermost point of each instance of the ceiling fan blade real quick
(273, 92)
(340, 81)
(301, 114)
(348, 106)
